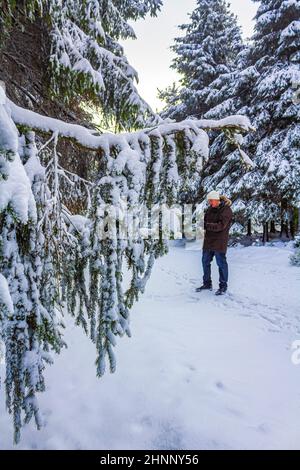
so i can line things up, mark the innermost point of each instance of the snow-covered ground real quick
(200, 372)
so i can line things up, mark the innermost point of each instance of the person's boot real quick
(221, 291)
(204, 287)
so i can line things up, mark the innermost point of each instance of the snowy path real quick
(200, 372)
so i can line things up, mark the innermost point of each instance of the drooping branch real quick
(75, 259)
(85, 137)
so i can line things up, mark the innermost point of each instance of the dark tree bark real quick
(293, 225)
(24, 68)
(249, 228)
(265, 232)
(284, 219)
(284, 229)
(272, 227)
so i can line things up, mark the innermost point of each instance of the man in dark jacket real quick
(217, 222)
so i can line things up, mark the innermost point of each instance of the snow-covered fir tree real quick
(83, 54)
(276, 113)
(231, 93)
(53, 259)
(264, 86)
(31, 325)
(208, 48)
(59, 252)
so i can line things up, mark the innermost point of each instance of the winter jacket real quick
(217, 222)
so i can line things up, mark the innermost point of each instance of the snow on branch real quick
(74, 258)
(84, 136)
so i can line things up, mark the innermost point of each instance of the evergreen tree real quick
(58, 251)
(276, 114)
(231, 93)
(31, 324)
(263, 86)
(207, 50)
(53, 259)
(84, 60)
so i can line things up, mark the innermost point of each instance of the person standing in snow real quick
(217, 222)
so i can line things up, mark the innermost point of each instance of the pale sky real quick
(149, 54)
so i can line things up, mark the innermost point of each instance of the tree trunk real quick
(292, 229)
(286, 228)
(249, 228)
(272, 228)
(266, 232)
(284, 221)
(295, 222)
(293, 225)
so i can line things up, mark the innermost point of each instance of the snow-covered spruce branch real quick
(53, 259)
(85, 137)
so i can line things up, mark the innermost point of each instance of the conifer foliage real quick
(61, 251)
(262, 82)
(85, 56)
(274, 109)
(53, 261)
(211, 41)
